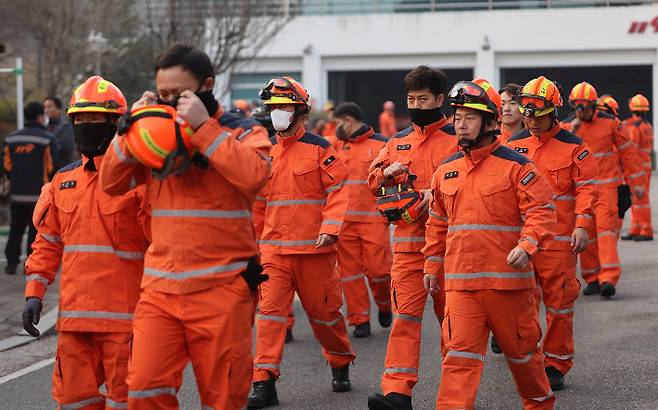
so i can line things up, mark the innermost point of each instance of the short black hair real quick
(58, 103)
(423, 77)
(348, 109)
(32, 110)
(511, 88)
(190, 58)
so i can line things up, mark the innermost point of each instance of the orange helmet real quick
(97, 95)
(242, 104)
(540, 96)
(639, 103)
(158, 138)
(583, 92)
(608, 104)
(284, 90)
(400, 204)
(478, 94)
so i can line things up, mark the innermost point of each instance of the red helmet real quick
(478, 94)
(583, 92)
(608, 104)
(400, 204)
(97, 95)
(285, 90)
(639, 103)
(540, 96)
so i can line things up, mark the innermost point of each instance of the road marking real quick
(32, 368)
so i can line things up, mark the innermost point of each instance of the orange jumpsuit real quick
(485, 203)
(505, 134)
(329, 129)
(100, 242)
(387, 126)
(364, 249)
(604, 136)
(195, 305)
(421, 150)
(305, 198)
(567, 164)
(642, 136)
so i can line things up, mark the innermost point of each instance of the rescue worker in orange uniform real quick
(492, 210)
(418, 150)
(200, 273)
(364, 250)
(568, 165)
(100, 243)
(387, 124)
(306, 204)
(329, 128)
(511, 118)
(642, 135)
(602, 132)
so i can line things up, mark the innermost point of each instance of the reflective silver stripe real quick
(439, 217)
(266, 366)
(466, 355)
(195, 273)
(604, 181)
(122, 157)
(588, 216)
(610, 265)
(201, 213)
(549, 205)
(583, 183)
(204, 407)
(297, 202)
(35, 277)
(645, 150)
(260, 198)
(331, 222)
(559, 356)
(528, 239)
(625, 145)
(637, 174)
(24, 198)
(355, 182)
(497, 275)
(31, 139)
(362, 213)
(103, 249)
(158, 391)
(334, 187)
(215, 144)
(405, 239)
(564, 198)
(80, 404)
(273, 318)
(483, 227)
(51, 238)
(340, 353)
(434, 258)
(390, 370)
(559, 311)
(562, 238)
(603, 154)
(385, 278)
(585, 271)
(353, 277)
(94, 314)
(322, 322)
(524, 359)
(244, 134)
(606, 233)
(116, 404)
(133, 182)
(642, 206)
(289, 243)
(408, 317)
(544, 398)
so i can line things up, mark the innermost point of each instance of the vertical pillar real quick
(485, 62)
(312, 75)
(654, 106)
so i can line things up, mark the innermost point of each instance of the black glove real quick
(252, 275)
(624, 200)
(31, 315)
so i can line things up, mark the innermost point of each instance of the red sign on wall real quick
(638, 27)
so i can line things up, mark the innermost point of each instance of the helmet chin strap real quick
(469, 144)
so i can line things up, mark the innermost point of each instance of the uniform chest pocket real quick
(560, 173)
(67, 211)
(119, 217)
(307, 176)
(499, 199)
(449, 197)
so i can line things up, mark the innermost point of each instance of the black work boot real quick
(592, 288)
(385, 319)
(362, 330)
(628, 237)
(607, 289)
(10, 269)
(494, 345)
(392, 401)
(555, 378)
(340, 381)
(643, 238)
(263, 394)
(289, 337)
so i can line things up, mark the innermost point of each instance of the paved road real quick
(616, 358)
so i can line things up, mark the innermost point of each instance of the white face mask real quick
(281, 119)
(46, 121)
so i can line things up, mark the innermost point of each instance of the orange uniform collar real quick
(92, 164)
(362, 137)
(479, 154)
(285, 141)
(549, 134)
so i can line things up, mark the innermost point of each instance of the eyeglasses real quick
(282, 84)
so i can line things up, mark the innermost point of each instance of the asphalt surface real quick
(616, 357)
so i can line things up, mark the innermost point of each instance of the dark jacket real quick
(62, 130)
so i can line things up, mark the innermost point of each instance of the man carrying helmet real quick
(510, 115)
(201, 273)
(492, 210)
(568, 165)
(417, 151)
(100, 242)
(305, 208)
(602, 132)
(642, 135)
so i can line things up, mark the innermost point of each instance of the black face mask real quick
(93, 139)
(423, 118)
(209, 101)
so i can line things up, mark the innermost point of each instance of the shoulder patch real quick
(403, 147)
(568, 137)
(449, 129)
(606, 115)
(583, 155)
(521, 150)
(329, 161)
(71, 166)
(313, 139)
(523, 134)
(451, 174)
(454, 157)
(68, 184)
(528, 178)
(379, 137)
(234, 121)
(510, 155)
(404, 132)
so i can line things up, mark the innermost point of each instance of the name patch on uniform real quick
(583, 155)
(404, 147)
(451, 174)
(329, 160)
(526, 179)
(521, 150)
(67, 184)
